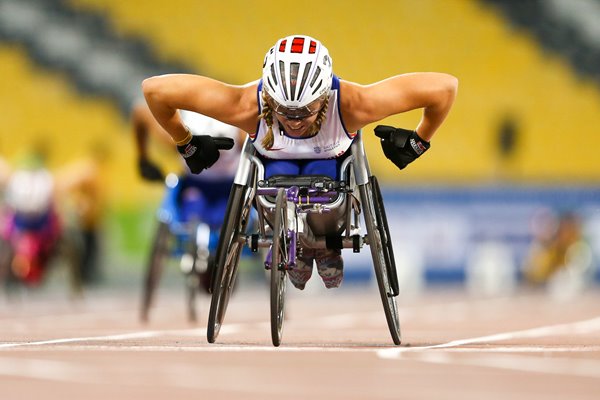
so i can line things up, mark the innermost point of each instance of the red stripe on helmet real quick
(297, 45)
(313, 47)
(282, 46)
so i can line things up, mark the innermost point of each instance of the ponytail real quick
(267, 115)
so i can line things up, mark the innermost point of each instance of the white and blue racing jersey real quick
(331, 141)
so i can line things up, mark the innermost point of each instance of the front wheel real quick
(279, 263)
(386, 238)
(376, 234)
(228, 254)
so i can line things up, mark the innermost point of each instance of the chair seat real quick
(319, 182)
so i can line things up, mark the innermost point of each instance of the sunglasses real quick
(298, 113)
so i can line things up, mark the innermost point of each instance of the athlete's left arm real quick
(431, 91)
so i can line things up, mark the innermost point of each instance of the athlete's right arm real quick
(144, 124)
(231, 104)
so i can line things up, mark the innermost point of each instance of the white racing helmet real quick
(297, 72)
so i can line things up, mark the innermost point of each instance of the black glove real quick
(150, 171)
(401, 146)
(203, 151)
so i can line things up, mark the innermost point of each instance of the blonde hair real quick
(267, 115)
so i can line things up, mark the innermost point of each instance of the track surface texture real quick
(336, 345)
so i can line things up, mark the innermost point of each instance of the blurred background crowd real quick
(509, 192)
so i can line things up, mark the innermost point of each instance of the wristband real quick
(187, 138)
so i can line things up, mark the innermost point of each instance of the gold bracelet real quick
(185, 140)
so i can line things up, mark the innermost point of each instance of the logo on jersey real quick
(317, 149)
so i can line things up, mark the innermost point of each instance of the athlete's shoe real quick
(330, 266)
(302, 272)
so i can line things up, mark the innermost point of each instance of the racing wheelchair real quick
(184, 234)
(296, 213)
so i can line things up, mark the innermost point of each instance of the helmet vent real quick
(270, 84)
(282, 74)
(273, 73)
(315, 76)
(317, 88)
(304, 78)
(294, 67)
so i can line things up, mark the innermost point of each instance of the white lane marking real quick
(438, 354)
(226, 348)
(580, 327)
(124, 336)
(194, 332)
(575, 367)
(220, 348)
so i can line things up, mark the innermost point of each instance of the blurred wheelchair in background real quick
(187, 233)
(297, 213)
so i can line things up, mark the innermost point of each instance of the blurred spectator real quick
(507, 139)
(507, 143)
(4, 173)
(81, 188)
(557, 240)
(31, 227)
